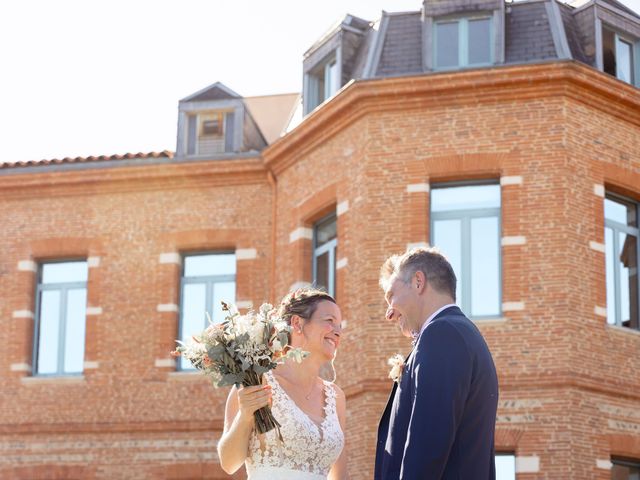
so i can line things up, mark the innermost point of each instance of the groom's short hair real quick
(433, 264)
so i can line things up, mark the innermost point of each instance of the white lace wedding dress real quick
(308, 450)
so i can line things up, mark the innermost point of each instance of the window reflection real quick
(324, 253)
(465, 222)
(621, 250)
(208, 279)
(505, 466)
(61, 318)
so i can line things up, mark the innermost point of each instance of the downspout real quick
(274, 190)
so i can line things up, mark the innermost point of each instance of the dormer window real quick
(212, 125)
(617, 56)
(462, 42)
(323, 81)
(206, 133)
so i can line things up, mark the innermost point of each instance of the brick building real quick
(506, 134)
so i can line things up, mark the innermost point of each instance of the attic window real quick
(323, 81)
(462, 42)
(617, 56)
(212, 125)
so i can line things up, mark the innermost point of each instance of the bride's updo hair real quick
(302, 302)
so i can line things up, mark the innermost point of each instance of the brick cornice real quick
(569, 79)
(139, 178)
(212, 425)
(564, 380)
(550, 380)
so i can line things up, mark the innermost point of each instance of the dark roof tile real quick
(572, 33)
(402, 49)
(528, 33)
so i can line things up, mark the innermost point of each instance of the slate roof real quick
(393, 45)
(217, 91)
(622, 7)
(573, 34)
(528, 33)
(402, 47)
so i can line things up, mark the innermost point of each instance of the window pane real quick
(464, 198)
(49, 329)
(332, 78)
(611, 291)
(193, 313)
(624, 60)
(479, 41)
(447, 236)
(628, 279)
(505, 467)
(222, 291)
(65, 272)
(620, 211)
(326, 230)
(485, 267)
(75, 330)
(207, 265)
(609, 52)
(322, 271)
(447, 44)
(625, 470)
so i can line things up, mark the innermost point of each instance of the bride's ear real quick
(296, 324)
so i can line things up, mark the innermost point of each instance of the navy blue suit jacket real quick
(439, 422)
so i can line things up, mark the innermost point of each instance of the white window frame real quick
(63, 287)
(619, 37)
(329, 247)
(463, 41)
(620, 228)
(465, 217)
(200, 119)
(311, 87)
(210, 282)
(622, 39)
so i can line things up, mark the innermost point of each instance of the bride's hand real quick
(251, 399)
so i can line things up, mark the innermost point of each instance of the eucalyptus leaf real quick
(230, 379)
(215, 351)
(246, 364)
(244, 338)
(259, 369)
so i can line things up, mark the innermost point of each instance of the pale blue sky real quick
(88, 77)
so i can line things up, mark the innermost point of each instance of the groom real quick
(439, 422)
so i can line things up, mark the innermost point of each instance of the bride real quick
(310, 410)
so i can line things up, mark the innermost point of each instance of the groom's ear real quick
(419, 281)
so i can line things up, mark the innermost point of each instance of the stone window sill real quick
(62, 380)
(628, 331)
(181, 376)
(490, 320)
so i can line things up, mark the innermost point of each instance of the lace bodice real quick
(307, 448)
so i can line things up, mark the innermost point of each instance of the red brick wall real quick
(569, 383)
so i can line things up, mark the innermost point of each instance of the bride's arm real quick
(339, 469)
(238, 424)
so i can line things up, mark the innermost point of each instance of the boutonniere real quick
(396, 363)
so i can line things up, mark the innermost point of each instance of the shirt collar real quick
(434, 315)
